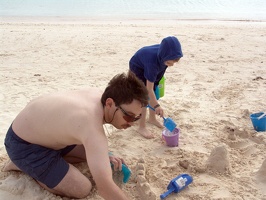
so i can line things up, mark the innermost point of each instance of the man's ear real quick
(109, 102)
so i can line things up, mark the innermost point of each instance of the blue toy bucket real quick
(258, 124)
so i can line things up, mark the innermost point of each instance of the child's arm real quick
(153, 101)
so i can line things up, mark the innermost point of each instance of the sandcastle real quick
(143, 186)
(218, 160)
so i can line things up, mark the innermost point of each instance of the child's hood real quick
(170, 49)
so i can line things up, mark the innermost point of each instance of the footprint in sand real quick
(260, 177)
(261, 173)
(250, 150)
(143, 187)
(13, 185)
(192, 167)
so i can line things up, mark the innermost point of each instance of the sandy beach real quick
(210, 94)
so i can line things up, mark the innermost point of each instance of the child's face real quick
(171, 62)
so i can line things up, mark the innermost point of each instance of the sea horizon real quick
(227, 10)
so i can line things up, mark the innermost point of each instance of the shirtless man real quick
(55, 130)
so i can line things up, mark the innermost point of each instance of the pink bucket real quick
(171, 138)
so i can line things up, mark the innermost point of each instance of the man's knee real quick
(77, 191)
(74, 184)
(83, 191)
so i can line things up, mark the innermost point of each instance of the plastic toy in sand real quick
(126, 172)
(177, 184)
(167, 122)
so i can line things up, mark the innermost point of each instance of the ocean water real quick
(138, 9)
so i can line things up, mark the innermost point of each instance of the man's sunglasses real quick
(128, 117)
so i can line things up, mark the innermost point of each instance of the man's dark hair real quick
(124, 88)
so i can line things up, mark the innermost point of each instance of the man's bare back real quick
(61, 123)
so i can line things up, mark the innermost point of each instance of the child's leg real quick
(142, 125)
(153, 120)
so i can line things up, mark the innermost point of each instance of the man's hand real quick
(117, 162)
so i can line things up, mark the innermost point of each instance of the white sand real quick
(220, 80)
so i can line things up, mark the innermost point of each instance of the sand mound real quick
(218, 160)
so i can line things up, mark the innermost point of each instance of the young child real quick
(149, 64)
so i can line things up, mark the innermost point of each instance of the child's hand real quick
(159, 111)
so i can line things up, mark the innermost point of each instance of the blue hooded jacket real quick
(148, 62)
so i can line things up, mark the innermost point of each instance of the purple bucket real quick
(171, 138)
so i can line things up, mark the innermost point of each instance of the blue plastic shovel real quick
(167, 122)
(126, 172)
(177, 184)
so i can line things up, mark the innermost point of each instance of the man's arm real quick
(96, 147)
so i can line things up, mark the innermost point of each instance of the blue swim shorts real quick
(41, 163)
